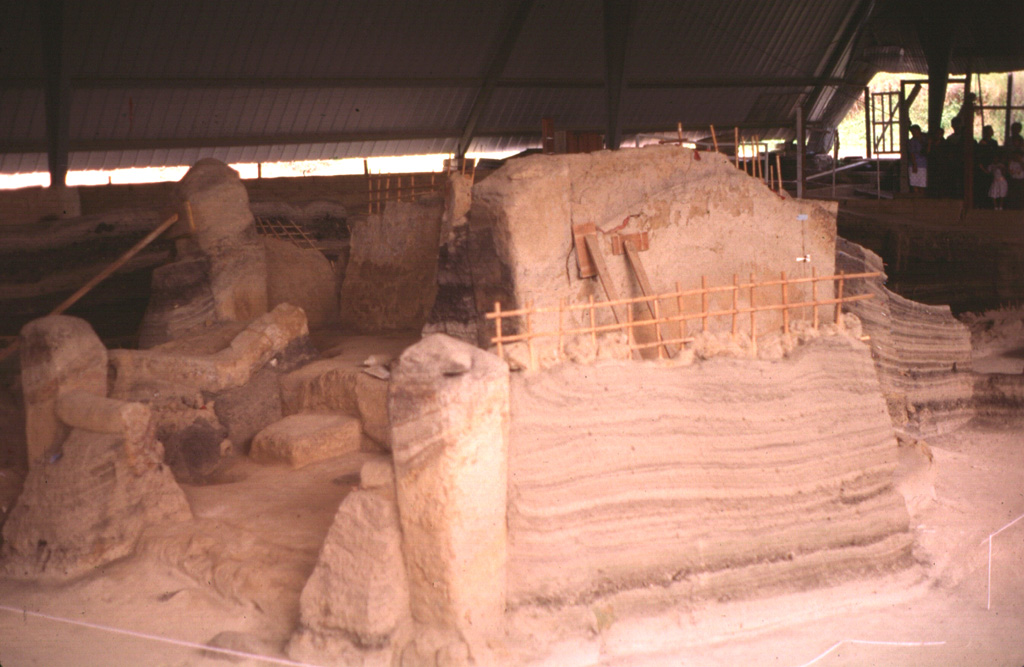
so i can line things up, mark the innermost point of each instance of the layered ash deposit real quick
(722, 478)
(922, 353)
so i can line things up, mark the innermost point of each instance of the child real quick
(997, 191)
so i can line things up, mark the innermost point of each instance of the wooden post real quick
(369, 187)
(704, 303)
(657, 329)
(839, 302)
(835, 158)
(529, 335)
(753, 324)
(868, 108)
(736, 146)
(757, 158)
(679, 131)
(735, 302)
(679, 305)
(814, 294)
(778, 171)
(497, 329)
(593, 323)
(714, 138)
(785, 305)
(629, 328)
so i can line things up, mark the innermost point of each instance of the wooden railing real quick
(764, 291)
(382, 188)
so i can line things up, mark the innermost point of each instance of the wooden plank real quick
(641, 241)
(583, 263)
(639, 271)
(108, 271)
(645, 287)
(597, 257)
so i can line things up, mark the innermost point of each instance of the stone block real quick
(238, 280)
(391, 277)
(58, 354)
(302, 277)
(378, 473)
(89, 506)
(358, 590)
(225, 233)
(180, 301)
(194, 452)
(328, 385)
(449, 408)
(247, 410)
(219, 203)
(265, 338)
(85, 410)
(302, 439)
(372, 400)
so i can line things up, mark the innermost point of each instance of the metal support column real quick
(801, 149)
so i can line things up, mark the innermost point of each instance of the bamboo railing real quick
(761, 296)
(382, 188)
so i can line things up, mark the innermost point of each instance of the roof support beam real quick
(834, 56)
(513, 26)
(734, 82)
(158, 143)
(401, 83)
(616, 35)
(57, 91)
(935, 31)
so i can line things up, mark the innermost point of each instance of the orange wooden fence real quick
(762, 297)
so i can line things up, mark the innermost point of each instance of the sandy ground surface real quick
(979, 487)
(258, 534)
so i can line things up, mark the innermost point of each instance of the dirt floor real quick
(236, 573)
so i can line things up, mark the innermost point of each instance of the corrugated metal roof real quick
(165, 83)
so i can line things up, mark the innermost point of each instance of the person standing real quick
(1015, 171)
(986, 155)
(918, 160)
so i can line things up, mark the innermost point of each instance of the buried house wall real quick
(703, 218)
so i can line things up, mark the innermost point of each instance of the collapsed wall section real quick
(721, 476)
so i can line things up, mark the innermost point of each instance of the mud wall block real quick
(448, 405)
(59, 354)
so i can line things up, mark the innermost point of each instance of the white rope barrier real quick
(870, 643)
(988, 605)
(158, 638)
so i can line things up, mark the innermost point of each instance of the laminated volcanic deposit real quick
(724, 476)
